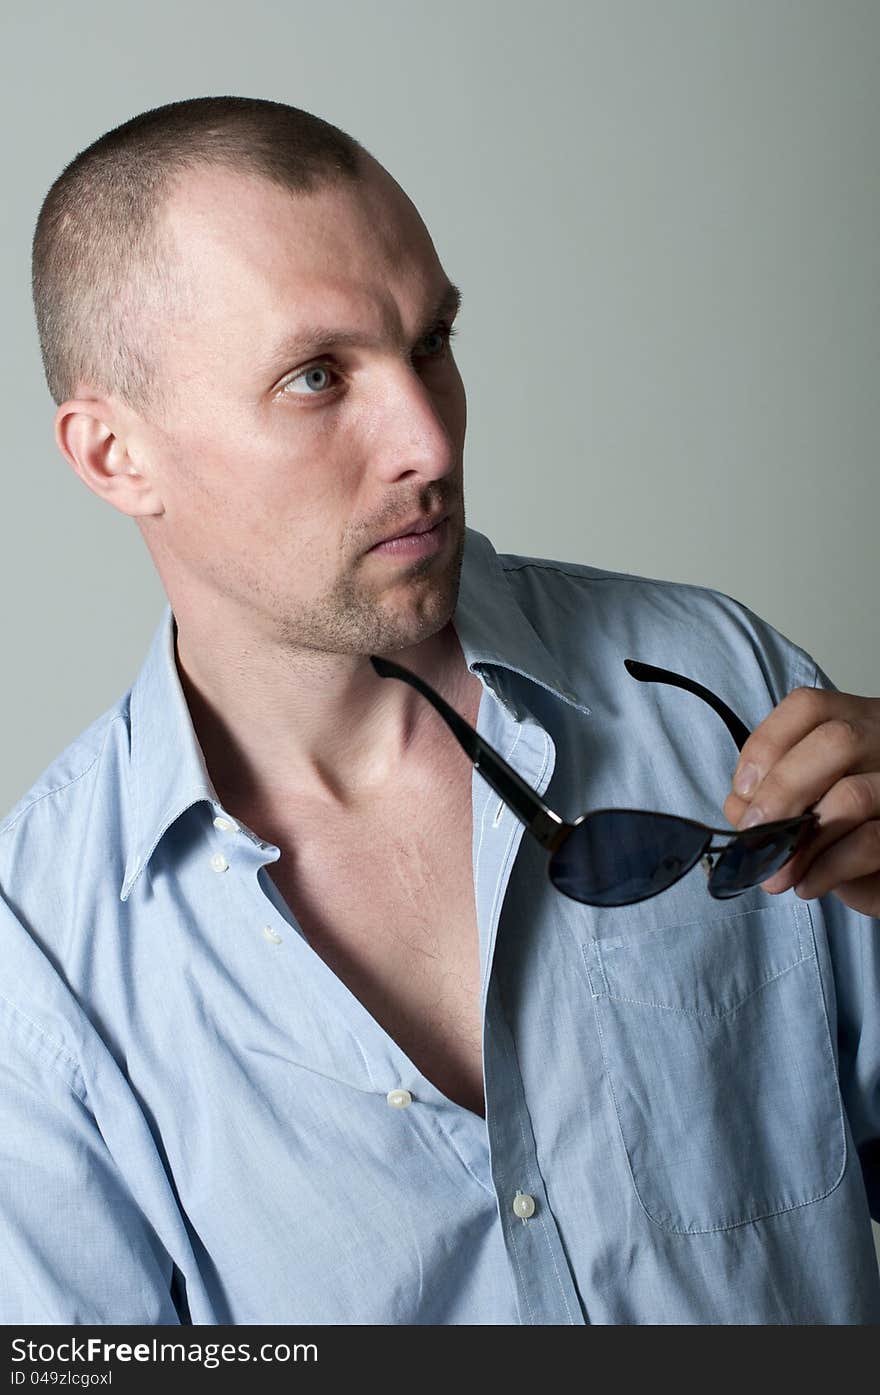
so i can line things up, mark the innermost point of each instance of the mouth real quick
(414, 528)
(424, 539)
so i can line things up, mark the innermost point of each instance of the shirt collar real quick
(168, 773)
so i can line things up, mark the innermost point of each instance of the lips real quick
(418, 525)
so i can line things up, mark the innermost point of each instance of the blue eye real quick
(306, 374)
(443, 331)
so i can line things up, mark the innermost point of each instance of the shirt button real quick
(226, 825)
(219, 863)
(271, 935)
(523, 1205)
(399, 1099)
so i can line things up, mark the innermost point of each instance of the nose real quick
(412, 431)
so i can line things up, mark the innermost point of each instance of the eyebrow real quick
(320, 339)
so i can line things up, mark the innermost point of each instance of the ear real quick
(96, 440)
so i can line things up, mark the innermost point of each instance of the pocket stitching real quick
(594, 946)
(801, 910)
(670, 1229)
(695, 1012)
(641, 937)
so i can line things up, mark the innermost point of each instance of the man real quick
(294, 1026)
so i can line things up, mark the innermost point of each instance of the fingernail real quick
(746, 779)
(754, 815)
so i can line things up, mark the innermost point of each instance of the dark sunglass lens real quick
(617, 856)
(751, 859)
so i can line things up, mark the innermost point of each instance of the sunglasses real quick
(616, 857)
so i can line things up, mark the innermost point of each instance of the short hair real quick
(101, 256)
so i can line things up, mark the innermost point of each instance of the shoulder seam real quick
(801, 666)
(581, 572)
(4, 828)
(52, 1050)
(48, 793)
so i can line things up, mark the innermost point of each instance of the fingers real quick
(821, 750)
(861, 895)
(799, 712)
(854, 856)
(851, 805)
(800, 776)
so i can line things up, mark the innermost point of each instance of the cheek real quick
(276, 495)
(213, 509)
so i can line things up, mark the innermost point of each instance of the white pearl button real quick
(219, 863)
(226, 825)
(523, 1205)
(399, 1099)
(271, 935)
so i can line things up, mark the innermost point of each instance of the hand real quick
(820, 750)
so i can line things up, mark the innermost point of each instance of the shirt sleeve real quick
(854, 946)
(74, 1246)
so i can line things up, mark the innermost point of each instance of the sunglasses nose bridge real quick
(712, 855)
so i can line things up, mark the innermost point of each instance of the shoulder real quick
(59, 787)
(595, 618)
(64, 837)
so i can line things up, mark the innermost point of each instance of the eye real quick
(443, 332)
(307, 375)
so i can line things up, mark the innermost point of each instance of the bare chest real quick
(389, 906)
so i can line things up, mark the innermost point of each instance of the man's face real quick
(278, 470)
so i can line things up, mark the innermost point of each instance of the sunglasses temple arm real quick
(647, 673)
(543, 824)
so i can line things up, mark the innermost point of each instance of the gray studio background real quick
(664, 221)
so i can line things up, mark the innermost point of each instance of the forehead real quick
(254, 254)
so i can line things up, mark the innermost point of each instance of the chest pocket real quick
(718, 1052)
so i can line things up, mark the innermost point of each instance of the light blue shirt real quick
(195, 1121)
